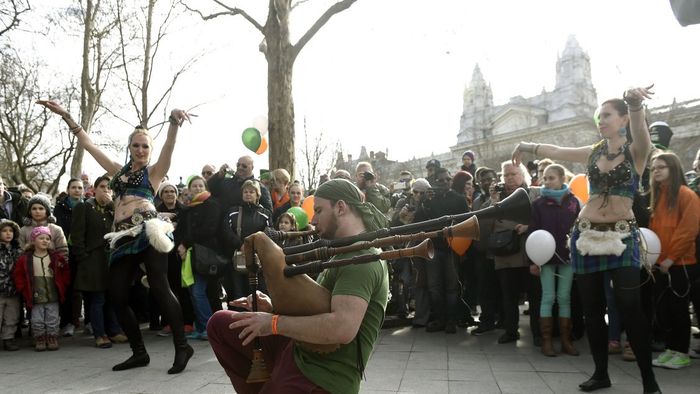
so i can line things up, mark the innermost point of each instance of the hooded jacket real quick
(24, 276)
(9, 253)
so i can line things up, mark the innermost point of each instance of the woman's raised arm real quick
(111, 166)
(161, 167)
(641, 141)
(578, 155)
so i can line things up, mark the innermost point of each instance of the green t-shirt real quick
(337, 372)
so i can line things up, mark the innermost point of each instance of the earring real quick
(622, 131)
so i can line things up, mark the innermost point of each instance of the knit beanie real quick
(162, 187)
(45, 202)
(420, 185)
(470, 154)
(39, 230)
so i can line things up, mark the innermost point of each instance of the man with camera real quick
(374, 192)
(401, 189)
(443, 281)
(226, 184)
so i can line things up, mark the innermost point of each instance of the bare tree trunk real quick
(147, 65)
(76, 167)
(280, 65)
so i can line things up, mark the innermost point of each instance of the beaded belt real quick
(134, 220)
(621, 226)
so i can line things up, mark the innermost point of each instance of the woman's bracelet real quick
(173, 121)
(75, 130)
(529, 147)
(636, 108)
(274, 324)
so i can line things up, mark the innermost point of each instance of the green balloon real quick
(251, 138)
(596, 117)
(301, 217)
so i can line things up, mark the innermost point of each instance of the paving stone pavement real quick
(406, 360)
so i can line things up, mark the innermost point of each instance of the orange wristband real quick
(274, 324)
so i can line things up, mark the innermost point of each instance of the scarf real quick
(199, 198)
(341, 189)
(278, 200)
(556, 195)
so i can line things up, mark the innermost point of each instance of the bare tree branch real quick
(322, 20)
(12, 11)
(298, 3)
(229, 11)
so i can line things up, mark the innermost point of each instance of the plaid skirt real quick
(588, 264)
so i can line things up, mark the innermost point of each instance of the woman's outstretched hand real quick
(179, 116)
(635, 96)
(54, 107)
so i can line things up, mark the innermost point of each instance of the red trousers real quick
(236, 360)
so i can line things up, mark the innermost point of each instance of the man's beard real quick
(329, 233)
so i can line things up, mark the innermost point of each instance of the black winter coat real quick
(228, 191)
(201, 224)
(89, 248)
(255, 218)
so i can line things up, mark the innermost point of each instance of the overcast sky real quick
(390, 74)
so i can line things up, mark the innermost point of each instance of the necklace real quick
(612, 156)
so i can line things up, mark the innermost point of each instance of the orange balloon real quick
(263, 146)
(579, 186)
(308, 206)
(459, 244)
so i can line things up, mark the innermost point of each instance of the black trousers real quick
(489, 290)
(674, 298)
(515, 281)
(122, 273)
(626, 286)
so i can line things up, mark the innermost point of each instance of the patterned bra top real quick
(137, 183)
(622, 180)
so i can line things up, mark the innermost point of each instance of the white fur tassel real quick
(601, 243)
(157, 232)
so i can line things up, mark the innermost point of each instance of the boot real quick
(565, 326)
(40, 343)
(183, 353)
(140, 358)
(546, 328)
(52, 342)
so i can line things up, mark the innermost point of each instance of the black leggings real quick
(121, 276)
(627, 297)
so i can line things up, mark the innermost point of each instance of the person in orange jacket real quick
(675, 218)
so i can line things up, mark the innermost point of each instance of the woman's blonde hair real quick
(280, 174)
(141, 130)
(252, 184)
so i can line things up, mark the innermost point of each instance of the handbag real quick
(207, 261)
(504, 243)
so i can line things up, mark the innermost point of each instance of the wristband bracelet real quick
(635, 108)
(274, 324)
(173, 121)
(537, 147)
(76, 129)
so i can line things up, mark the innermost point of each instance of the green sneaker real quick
(664, 358)
(680, 360)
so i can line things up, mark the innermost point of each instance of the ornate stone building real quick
(563, 116)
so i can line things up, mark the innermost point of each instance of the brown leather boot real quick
(546, 329)
(567, 346)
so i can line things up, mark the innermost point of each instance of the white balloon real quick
(260, 123)
(540, 247)
(651, 245)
